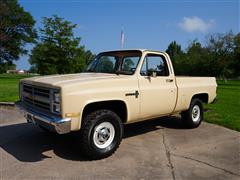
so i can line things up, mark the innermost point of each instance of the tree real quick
(177, 56)
(174, 49)
(7, 66)
(16, 29)
(236, 64)
(222, 49)
(57, 50)
(89, 56)
(198, 59)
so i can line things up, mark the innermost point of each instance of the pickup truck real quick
(117, 88)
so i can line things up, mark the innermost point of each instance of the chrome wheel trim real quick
(103, 135)
(196, 112)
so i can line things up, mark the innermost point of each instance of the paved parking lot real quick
(157, 149)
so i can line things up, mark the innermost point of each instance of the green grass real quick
(226, 111)
(9, 86)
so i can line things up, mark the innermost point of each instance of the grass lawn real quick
(9, 87)
(226, 111)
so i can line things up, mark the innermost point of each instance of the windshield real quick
(118, 62)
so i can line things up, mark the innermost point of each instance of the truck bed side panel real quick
(190, 86)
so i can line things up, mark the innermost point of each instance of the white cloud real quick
(194, 24)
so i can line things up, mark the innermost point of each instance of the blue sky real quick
(149, 24)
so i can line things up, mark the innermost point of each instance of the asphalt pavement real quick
(156, 149)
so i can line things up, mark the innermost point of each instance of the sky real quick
(147, 24)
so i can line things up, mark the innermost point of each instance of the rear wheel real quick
(102, 133)
(193, 117)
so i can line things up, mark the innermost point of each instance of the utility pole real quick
(122, 38)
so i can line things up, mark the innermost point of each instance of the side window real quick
(155, 63)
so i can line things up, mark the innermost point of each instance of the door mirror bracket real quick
(152, 73)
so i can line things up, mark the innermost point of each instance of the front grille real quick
(37, 97)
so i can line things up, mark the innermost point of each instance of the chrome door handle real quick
(169, 80)
(136, 94)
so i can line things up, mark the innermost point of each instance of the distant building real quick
(19, 71)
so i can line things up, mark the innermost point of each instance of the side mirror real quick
(152, 73)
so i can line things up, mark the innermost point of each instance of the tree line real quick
(58, 51)
(219, 57)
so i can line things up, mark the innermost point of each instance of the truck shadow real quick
(169, 122)
(28, 143)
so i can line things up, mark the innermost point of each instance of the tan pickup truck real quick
(118, 87)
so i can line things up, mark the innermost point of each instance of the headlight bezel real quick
(56, 97)
(56, 101)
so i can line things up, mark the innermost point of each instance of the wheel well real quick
(203, 97)
(117, 106)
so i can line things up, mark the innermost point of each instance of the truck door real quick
(157, 87)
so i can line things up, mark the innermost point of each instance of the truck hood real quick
(69, 79)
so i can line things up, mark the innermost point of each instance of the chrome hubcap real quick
(196, 113)
(103, 135)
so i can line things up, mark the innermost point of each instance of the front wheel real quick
(193, 117)
(102, 133)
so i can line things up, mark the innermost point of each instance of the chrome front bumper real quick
(51, 123)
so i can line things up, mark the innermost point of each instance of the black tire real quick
(89, 133)
(193, 117)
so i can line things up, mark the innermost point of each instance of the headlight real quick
(56, 101)
(56, 97)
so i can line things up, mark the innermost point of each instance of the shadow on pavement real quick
(28, 143)
(170, 122)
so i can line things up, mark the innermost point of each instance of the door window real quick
(154, 63)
